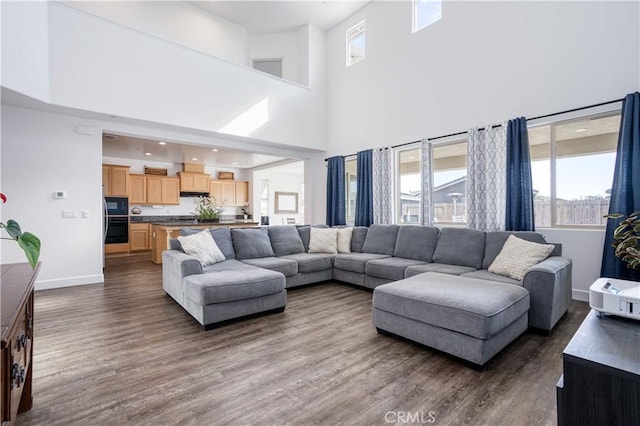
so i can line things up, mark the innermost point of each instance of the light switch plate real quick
(69, 214)
(85, 214)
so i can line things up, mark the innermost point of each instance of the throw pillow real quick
(202, 247)
(344, 239)
(323, 240)
(518, 255)
(251, 243)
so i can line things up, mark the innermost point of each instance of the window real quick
(425, 13)
(409, 185)
(351, 189)
(264, 197)
(270, 66)
(355, 43)
(572, 166)
(449, 182)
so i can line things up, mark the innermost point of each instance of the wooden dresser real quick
(16, 294)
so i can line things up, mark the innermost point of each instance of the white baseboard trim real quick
(582, 295)
(69, 282)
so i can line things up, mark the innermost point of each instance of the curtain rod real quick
(499, 125)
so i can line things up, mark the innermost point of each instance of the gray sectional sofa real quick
(430, 285)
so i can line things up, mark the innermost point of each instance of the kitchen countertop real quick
(192, 223)
(187, 220)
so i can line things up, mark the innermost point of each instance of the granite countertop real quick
(186, 220)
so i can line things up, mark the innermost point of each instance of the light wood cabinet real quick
(228, 192)
(137, 189)
(194, 182)
(242, 193)
(139, 237)
(115, 180)
(215, 190)
(163, 190)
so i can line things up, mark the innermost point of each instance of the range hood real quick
(193, 194)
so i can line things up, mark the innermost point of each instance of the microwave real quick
(117, 206)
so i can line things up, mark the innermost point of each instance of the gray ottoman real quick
(469, 318)
(223, 295)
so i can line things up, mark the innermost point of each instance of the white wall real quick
(42, 153)
(278, 45)
(175, 21)
(25, 48)
(484, 62)
(287, 178)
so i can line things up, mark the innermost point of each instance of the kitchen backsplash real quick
(186, 207)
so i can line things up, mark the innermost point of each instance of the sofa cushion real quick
(285, 266)
(323, 240)
(416, 242)
(229, 285)
(285, 240)
(357, 238)
(470, 306)
(391, 268)
(251, 243)
(355, 262)
(442, 268)
(221, 235)
(305, 234)
(344, 239)
(227, 265)
(483, 274)
(518, 255)
(202, 247)
(381, 239)
(495, 240)
(460, 246)
(311, 262)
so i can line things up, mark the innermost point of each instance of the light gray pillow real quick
(202, 247)
(285, 240)
(381, 239)
(518, 255)
(251, 243)
(221, 235)
(323, 240)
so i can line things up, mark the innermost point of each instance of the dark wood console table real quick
(16, 294)
(601, 380)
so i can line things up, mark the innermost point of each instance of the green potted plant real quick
(208, 209)
(626, 239)
(28, 242)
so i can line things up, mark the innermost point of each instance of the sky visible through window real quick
(426, 12)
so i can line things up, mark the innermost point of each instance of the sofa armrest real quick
(549, 285)
(175, 266)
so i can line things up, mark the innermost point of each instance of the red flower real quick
(3, 198)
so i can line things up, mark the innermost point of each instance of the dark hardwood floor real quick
(126, 353)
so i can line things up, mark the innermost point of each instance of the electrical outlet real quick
(69, 214)
(85, 214)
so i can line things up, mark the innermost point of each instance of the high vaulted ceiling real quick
(280, 16)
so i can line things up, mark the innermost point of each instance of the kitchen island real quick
(161, 232)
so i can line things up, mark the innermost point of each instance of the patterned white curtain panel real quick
(486, 178)
(382, 186)
(426, 194)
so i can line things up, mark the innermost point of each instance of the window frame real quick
(351, 33)
(397, 183)
(448, 142)
(553, 163)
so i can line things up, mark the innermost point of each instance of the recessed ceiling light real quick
(162, 143)
(581, 129)
(234, 163)
(259, 156)
(148, 154)
(215, 150)
(194, 159)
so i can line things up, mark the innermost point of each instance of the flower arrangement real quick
(208, 208)
(626, 238)
(26, 240)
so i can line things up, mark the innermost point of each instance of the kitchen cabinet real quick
(163, 190)
(115, 180)
(137, 189)
(194, 182)
(231, 192)
(242, 193)
(139, 237)
(228, 192)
